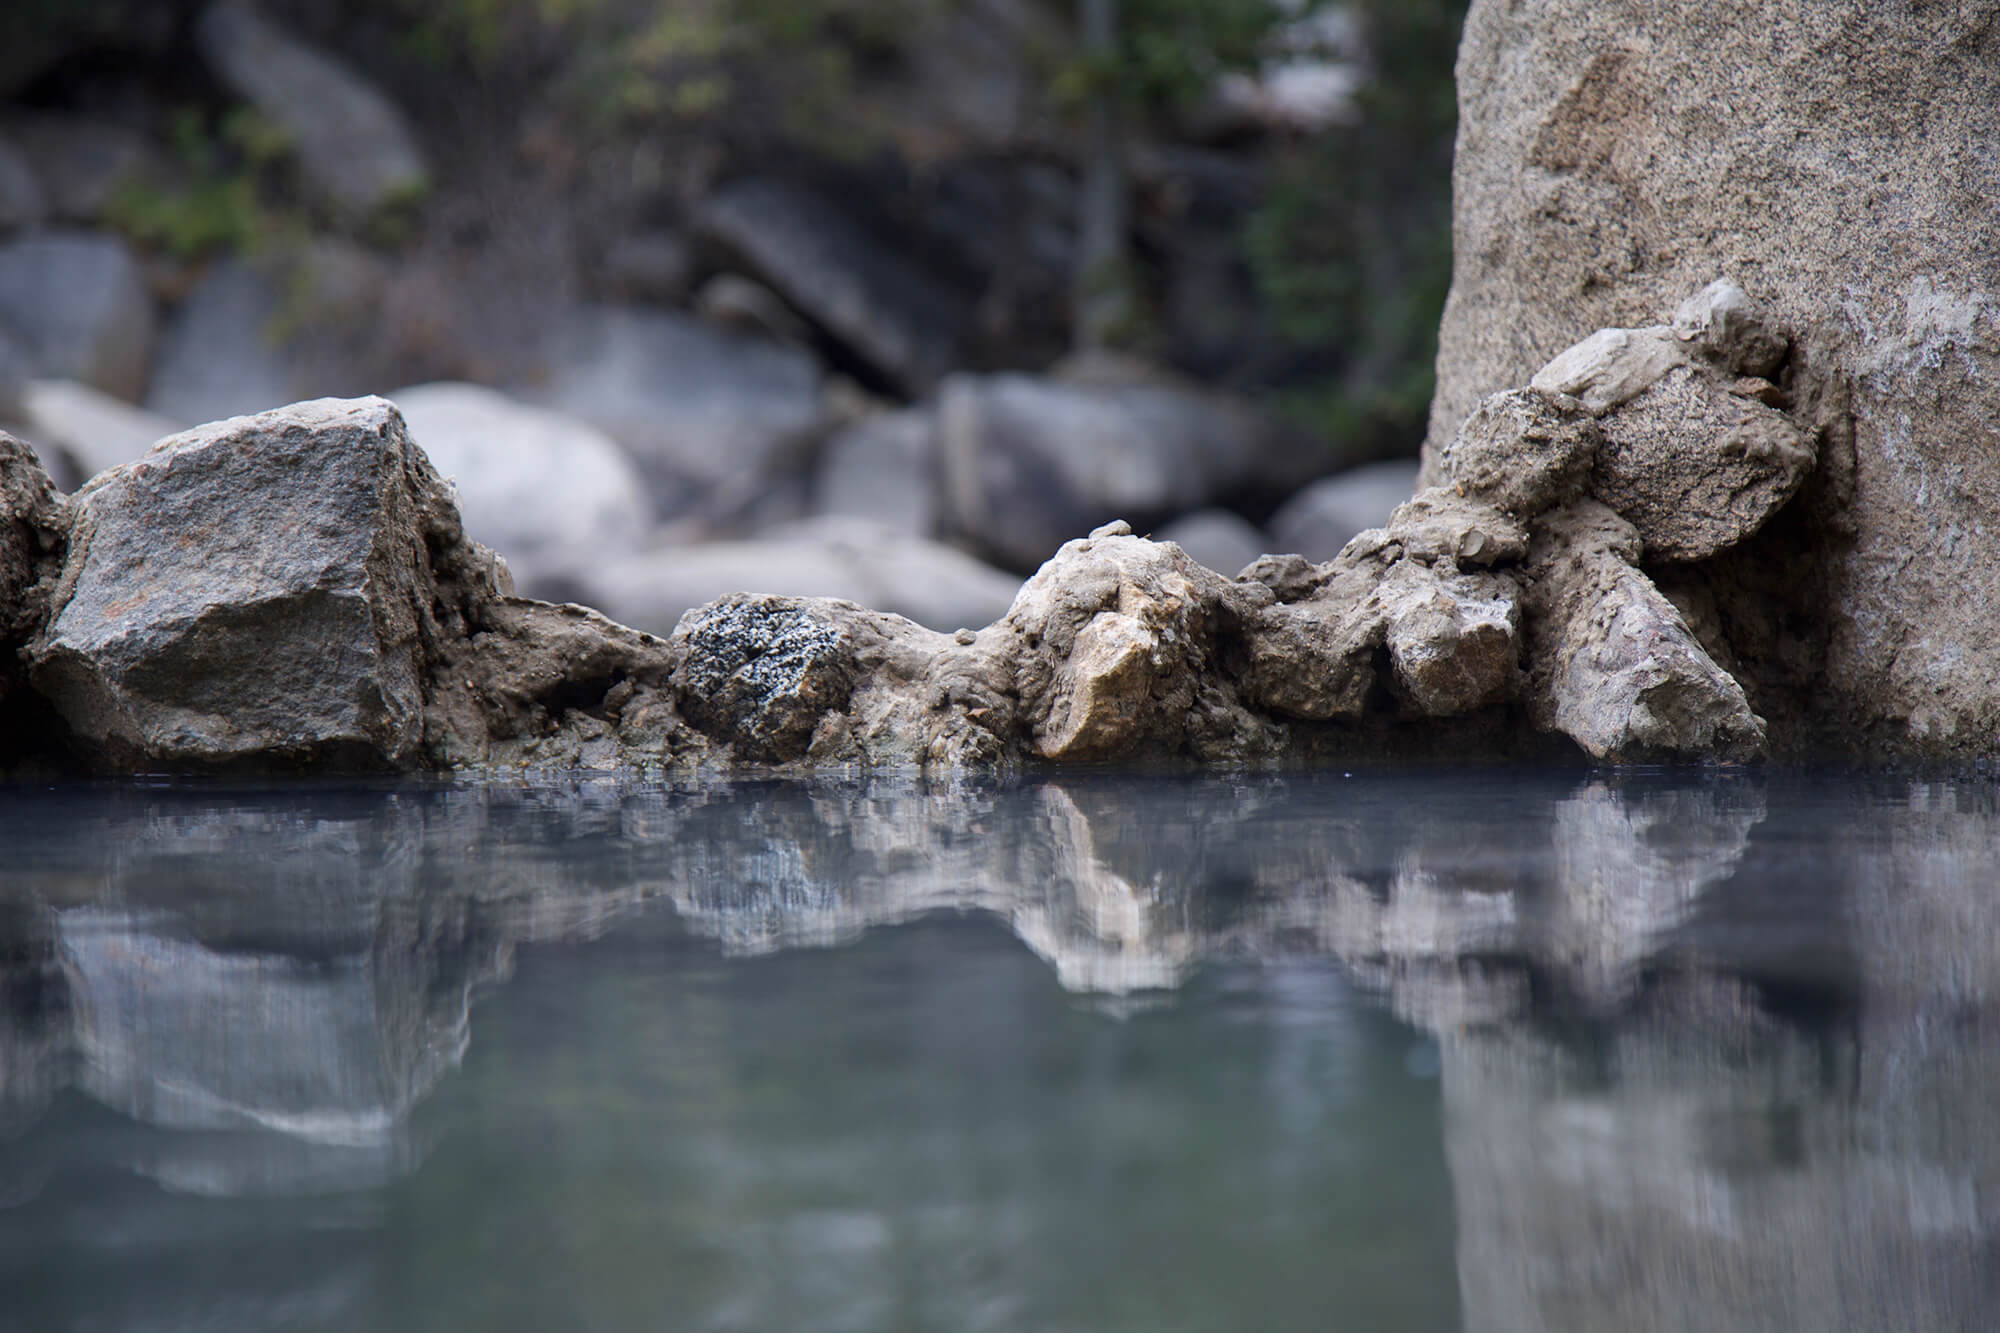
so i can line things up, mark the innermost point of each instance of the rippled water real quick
(1406, 1051)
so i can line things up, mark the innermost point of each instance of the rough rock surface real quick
(248, 592)
(1616, 668)
(32, 524)
(1597, 184)
(297, 588)
(353, 145)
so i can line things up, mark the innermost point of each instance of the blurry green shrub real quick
(1351, 246)
(215, 200)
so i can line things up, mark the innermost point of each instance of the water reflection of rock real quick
(1713, 1034)
(1788, 1126)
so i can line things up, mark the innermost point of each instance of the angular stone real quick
(1111, 641)
(353, 145)
(1453, 639)
(1696, 468)
(1524, 450)
(1437, 524)
(1611, 367)
(249, 593)
(79, 303)
(1614, 666)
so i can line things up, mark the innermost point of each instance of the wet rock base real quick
(295, 591)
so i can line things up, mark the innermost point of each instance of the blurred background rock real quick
(875, 298)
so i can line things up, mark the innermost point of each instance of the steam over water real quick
(1492, 1051)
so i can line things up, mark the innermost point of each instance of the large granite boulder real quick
(79, 303)
(1597, 182)
(354, 147)
(249, 593)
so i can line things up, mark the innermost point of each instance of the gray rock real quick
(1730, 329)
(882, 468)
(1029, 462)
(694, 407)
(541, 489)
(80, 165)
(1612, 367)
(23, 203)
(853, 560)
(884, 309)
(1615, 667)
(79, 303)
(1325, 516)
(353, 145)
(1595, 188)
(1223, 540)
(92, 430)
(247, 594)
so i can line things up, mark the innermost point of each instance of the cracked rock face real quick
(32, 523)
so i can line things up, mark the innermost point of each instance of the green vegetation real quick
(217, 201)
(1352, 245)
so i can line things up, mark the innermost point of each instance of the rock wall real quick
(1839, 160)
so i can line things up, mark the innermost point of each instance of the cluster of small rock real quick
(296, 589)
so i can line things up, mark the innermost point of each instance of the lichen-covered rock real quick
(1614, 666)
(249, 592)
(760, 673)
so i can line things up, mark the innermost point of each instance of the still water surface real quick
(1395, 1051)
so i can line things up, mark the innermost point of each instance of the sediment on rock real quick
(296, 590)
